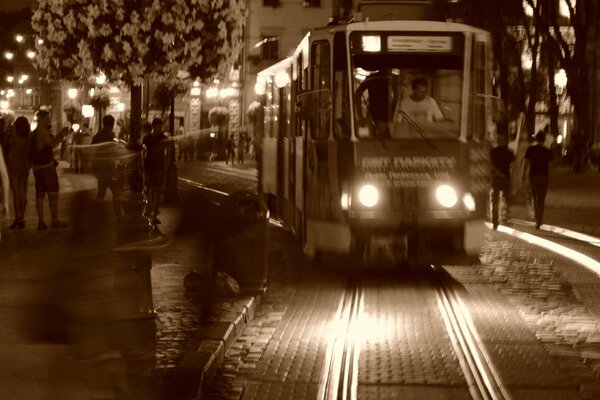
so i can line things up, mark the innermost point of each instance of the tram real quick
(354, 161)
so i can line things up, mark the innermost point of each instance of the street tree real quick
(568, 37)
(131, 40)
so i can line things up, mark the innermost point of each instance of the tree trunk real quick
(135, 128)
(172, 116)
(552, 97)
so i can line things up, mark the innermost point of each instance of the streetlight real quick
(560, 79)
(10, 78)
(72, 93)
(100, 79)
(9, 55)
(31, 54)
(19, 38)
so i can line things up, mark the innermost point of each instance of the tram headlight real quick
(446, 196)
(345, 201)
(469, 202)
(368, 195)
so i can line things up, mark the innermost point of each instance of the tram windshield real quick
(404, 97)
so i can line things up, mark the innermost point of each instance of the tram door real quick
(318, 191)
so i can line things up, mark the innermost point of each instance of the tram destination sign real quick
(420, 44)
(407, 171)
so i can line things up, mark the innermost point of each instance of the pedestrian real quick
(44, 166)
(230, 150)
(536, 165)
(78, 141)
(18, 169)
(156, 153)
(4, 187)
(185, 147)
(501, 159)
(104, 160)
(241, 146)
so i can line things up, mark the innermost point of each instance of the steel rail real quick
(339, 379)
(482, 378)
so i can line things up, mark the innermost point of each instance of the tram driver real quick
(419, 105)
(420, 112)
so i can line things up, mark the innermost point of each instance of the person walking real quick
(44, 168)
(4, 187)
(79, 137)
(241, 146)
(537, 166)
(501, 159)
(230, 148)
(156, 153)
(104, 163)
(18, 169)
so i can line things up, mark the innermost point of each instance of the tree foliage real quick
(130, 39)
(218, 116)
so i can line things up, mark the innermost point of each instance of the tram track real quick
(483, 380)
(340, 378)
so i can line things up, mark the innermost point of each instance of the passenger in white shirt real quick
(418, 105)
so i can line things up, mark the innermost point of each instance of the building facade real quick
(273, 29)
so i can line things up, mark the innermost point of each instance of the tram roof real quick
(404, 25)
(387, 25)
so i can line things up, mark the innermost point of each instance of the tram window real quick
(321, 68)
(341, 88)
(478, 122)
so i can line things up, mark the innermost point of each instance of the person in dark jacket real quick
(537, 166)
(44, 168)
(501, 158)
(104, 163)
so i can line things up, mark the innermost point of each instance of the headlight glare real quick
(469, 202)
(446, 196)
(368, 195)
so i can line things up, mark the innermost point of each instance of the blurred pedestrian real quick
(230, 150)
(536, 165)
(4, 187)
(156, 153)
(501, 158)
(104, 160)
(44, 168)
(78, 141)
(18, 169)
(241, 146)
(185, 145)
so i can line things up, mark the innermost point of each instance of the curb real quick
(198, 366)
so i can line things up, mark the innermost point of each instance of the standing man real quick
(537, 162)
(501, 158)
(104, 163)
(44, 168)
(156, 153)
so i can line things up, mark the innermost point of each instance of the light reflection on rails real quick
(339, 380)
(483, 380)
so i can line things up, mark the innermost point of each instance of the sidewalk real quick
(572, 202)
(47, 273)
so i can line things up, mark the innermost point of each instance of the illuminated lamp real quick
(282, 79)
(87, 111)
(371, 43)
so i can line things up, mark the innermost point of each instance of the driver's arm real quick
(436, 112)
